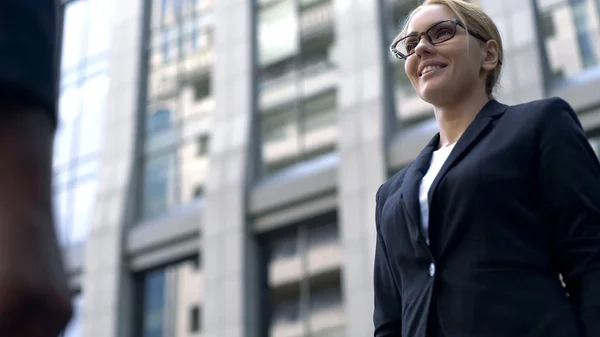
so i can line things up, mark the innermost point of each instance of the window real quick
(299, 293)
(158, 121)
(203, 142)
(571, 33)
(171, 303)
(202, 88)
(297, 82)
(158, 184)
(179, 105)
(84, 86)
(195, 317)
(322, 234)
(154, 304)
(198, 191)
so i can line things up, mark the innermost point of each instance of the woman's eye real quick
(442, 32)
(410, 46)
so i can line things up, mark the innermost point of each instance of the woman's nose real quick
(424, 46)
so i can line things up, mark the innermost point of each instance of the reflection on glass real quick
(297, 95)
(154, 304)
(157, 185)
(86, 39)
(94, 94)
(180, 105)
(75, 17)
(303, 297)
(172, 301)
(84, 199)
(102, 10)
(571, 32)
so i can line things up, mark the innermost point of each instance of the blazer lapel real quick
(469, 138)
(410, 192)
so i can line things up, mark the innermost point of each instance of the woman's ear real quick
(491, 54)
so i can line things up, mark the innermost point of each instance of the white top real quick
(437, 160)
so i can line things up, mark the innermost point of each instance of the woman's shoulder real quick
(542, 113)
(541, 107)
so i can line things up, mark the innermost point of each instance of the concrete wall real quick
(105, 278)
(361, 155)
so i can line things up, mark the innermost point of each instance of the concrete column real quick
(227, 241)
(105, 282)
(361, 150)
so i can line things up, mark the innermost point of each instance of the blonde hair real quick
(473, 18)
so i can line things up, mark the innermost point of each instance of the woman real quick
(472, 236)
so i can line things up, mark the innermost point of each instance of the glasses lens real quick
(442, 31)
(406, 45)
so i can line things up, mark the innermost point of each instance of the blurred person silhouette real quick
(473, 234)
(35, 300)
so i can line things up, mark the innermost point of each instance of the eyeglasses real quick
(440, 32)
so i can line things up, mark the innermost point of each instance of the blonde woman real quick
(473, 235)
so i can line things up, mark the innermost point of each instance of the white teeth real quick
(430, 68)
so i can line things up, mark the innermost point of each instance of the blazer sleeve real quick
(570, 184)
(387, 316)
(28, 54)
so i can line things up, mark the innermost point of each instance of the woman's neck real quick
(454, 119)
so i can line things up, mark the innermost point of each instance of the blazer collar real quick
(419, 167)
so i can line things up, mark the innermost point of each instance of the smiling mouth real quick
(430, 69)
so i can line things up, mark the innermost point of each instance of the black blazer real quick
(516, 203)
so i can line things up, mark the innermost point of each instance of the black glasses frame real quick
(426, 34)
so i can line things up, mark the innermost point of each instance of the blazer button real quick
(431, 269)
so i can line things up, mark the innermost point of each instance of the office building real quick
(217, 161)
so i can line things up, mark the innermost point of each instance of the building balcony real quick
(324, 257)
(285, 270)
(311, 80)
(316, 19)
(291, 144)
(287, 329)
(327, 319)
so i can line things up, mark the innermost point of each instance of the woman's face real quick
(443, 72)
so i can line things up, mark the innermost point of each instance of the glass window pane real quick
(320, 112)
(571, 32)
(170, 294)
(284, 246)
(154, 304)
(83, 210)
(286, 305)
(277, 32)
(94, 93)
(193, 170)
(62, 216)
(75, 20)
(159, 181)
(70, 105)
(322, 234)
(99, 27)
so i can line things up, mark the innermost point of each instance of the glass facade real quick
(296, 81)
(571, 33)
(83, 91)
(179, 104)
(304, 280)
(172, 301)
